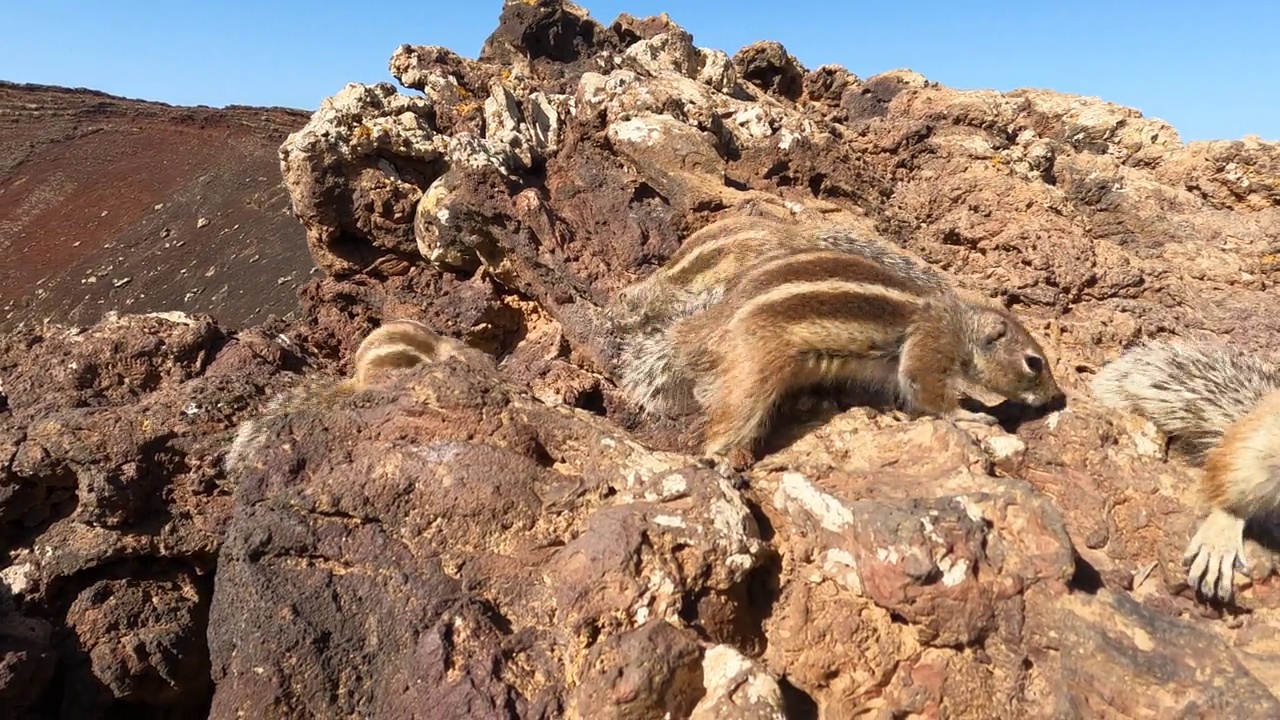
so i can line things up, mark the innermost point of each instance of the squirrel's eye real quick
(1034, 363)
(996, 331)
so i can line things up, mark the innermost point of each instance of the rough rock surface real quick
(115, 204)
(508, 538)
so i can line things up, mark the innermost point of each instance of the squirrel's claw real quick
(1215, 552)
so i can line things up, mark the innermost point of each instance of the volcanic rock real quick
(507, 536)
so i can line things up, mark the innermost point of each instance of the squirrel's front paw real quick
(961, 417)
(1215, 552)
(732, 460)
(741, 458)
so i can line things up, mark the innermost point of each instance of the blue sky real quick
(1210, 69)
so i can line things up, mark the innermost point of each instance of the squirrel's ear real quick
(991, 327)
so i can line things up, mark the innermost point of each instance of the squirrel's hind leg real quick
(741, 402)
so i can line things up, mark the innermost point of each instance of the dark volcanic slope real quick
(108, 203)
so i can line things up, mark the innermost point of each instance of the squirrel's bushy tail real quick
(252, 434)
(651, 370)
(1192, 391)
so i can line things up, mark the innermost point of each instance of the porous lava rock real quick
(506, 536)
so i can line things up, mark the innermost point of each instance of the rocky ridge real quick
(508, 538)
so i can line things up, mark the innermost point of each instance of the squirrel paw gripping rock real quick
(1215, 553)
(1223, 409)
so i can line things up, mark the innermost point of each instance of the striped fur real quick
(826, 317)
(711, 257)
(398, 344)
(696, 278)
(1191, 391)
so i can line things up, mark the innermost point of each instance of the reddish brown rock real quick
(487, 520)
(648, 672)
(27, 662)
(140, 640)
(769, 66)
(512, 538)
(112, 505)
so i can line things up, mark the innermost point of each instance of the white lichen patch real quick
(888, 555)
(668, 52)
(173, 316)
(729, 526)
(595, 89)
(343, 123)
(469, 152)
(671, 487)
(787, 138)
(642, 467)
(441, 453)
(1004, 447)
(727, 518)
(674, 486)
(545, 119)
(673, 521)
(722, 663)
(732, 680)
(635, 476)
(842, 567)
(740, 562)
(717, 70)
(970, 508)
(17, 578)
(754, 121)
(795, 491)
(955, 571)
(637, 131)
(930, 531)
(659, 597)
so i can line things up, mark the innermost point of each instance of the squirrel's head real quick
(1009, 362)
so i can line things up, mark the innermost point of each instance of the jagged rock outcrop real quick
(509, 538)
(479, 570)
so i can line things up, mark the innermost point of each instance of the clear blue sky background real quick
(1210, 69)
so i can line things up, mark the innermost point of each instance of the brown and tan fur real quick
(829, 317)
(397, 344)
(696, 277)
(714, 255)
(1222, 409)
(400, 344)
